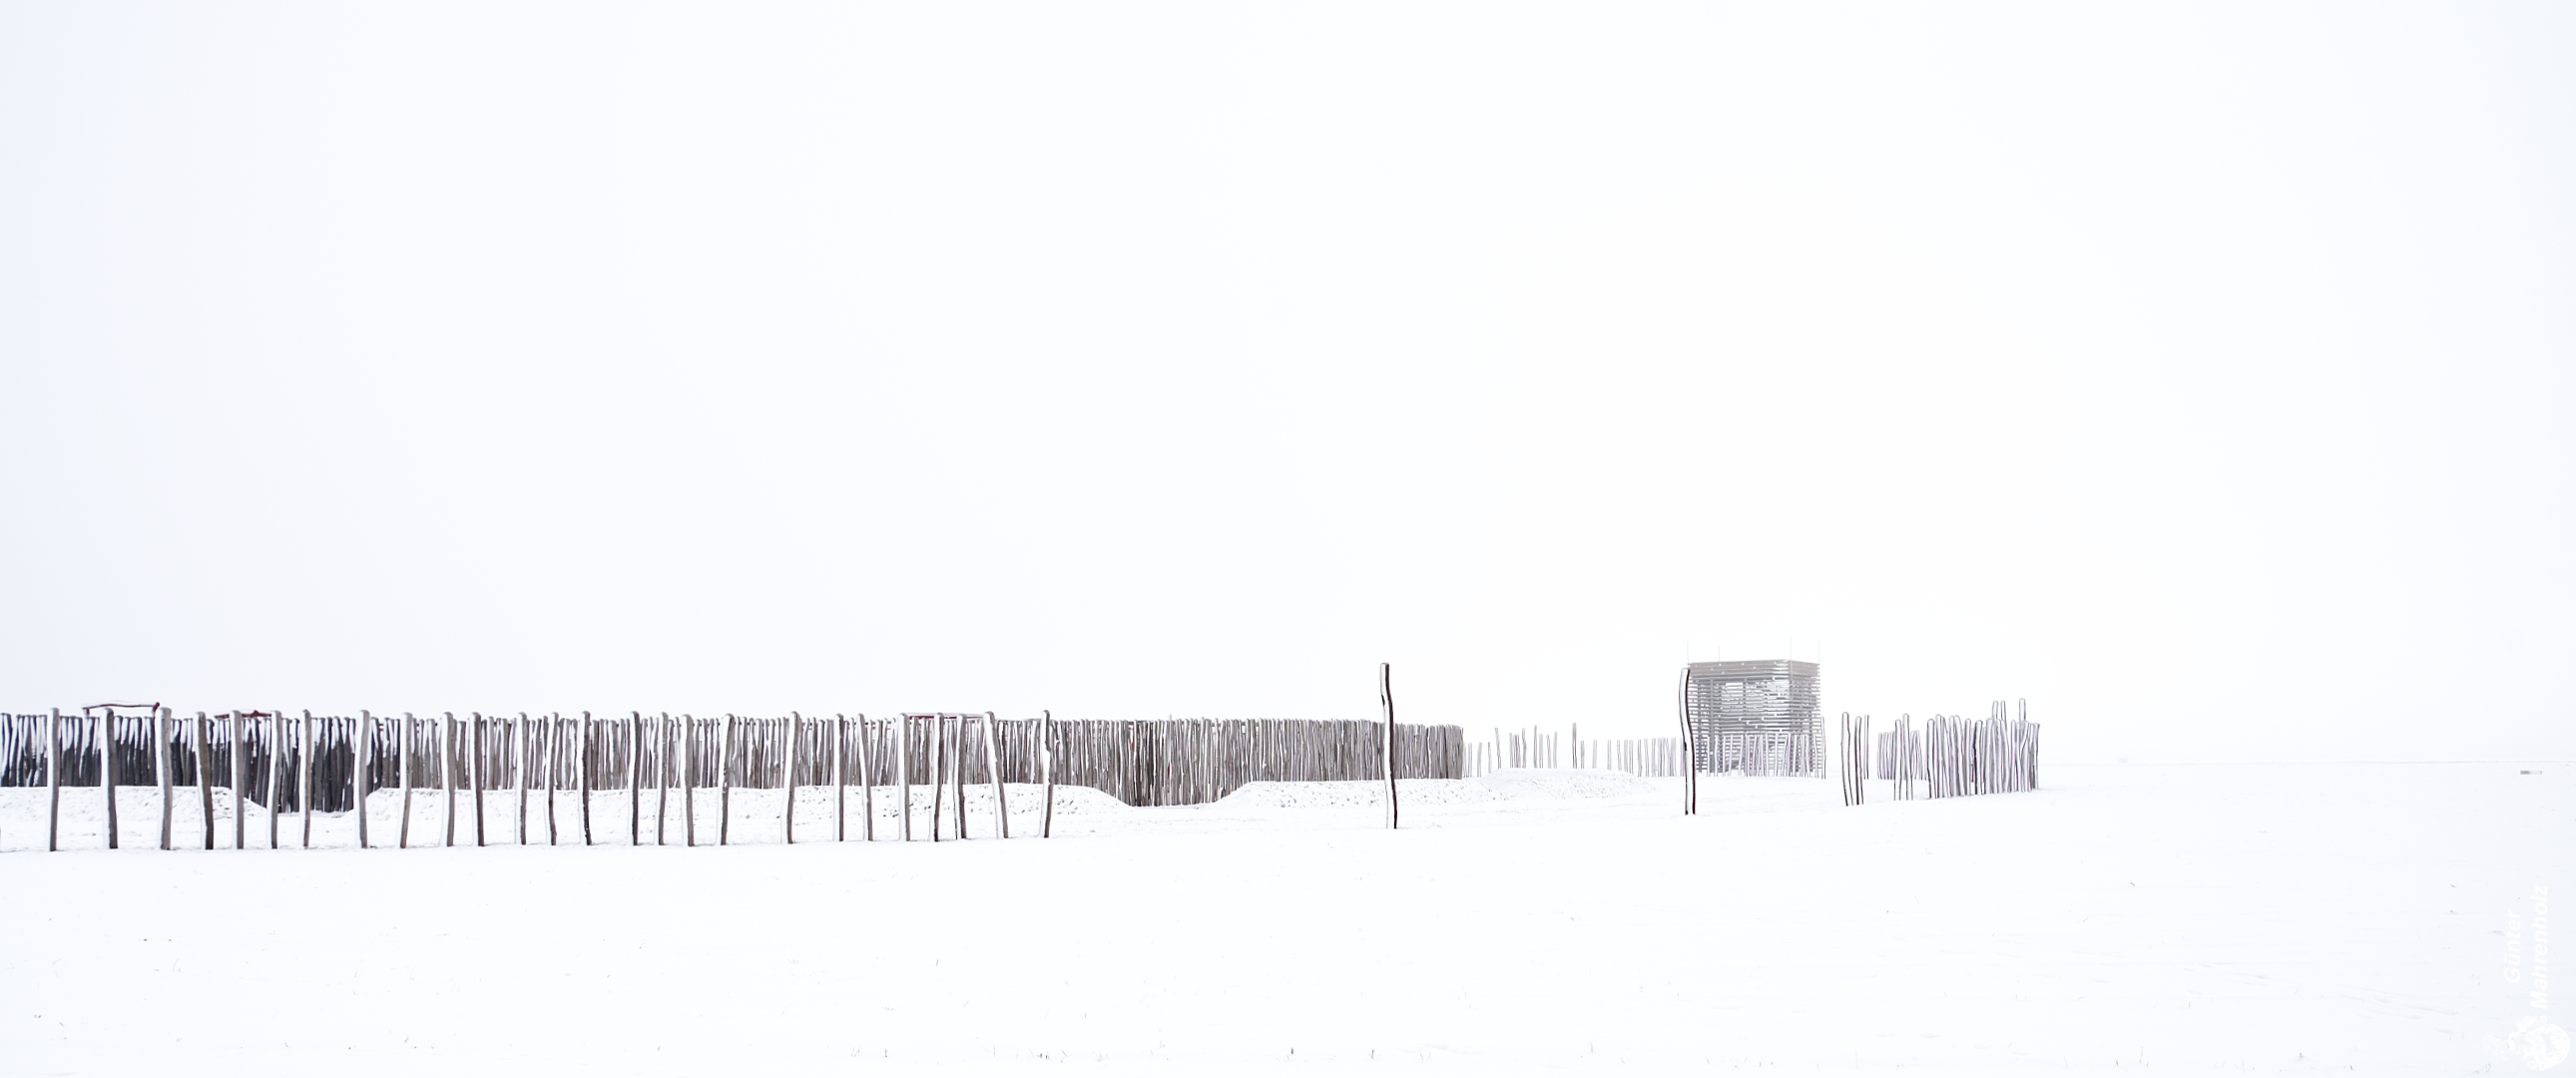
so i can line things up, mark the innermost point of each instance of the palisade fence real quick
(285, 763)
(1644, 757)
(1948, 756)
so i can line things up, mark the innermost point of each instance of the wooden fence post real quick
(205, 782)
(581, 775)
(161, 766)
(54, 782)
(938, 770)
(635, 779)
(304, 776)
(107, 769)
(360, 747)
(724, 785)
(688, 780)
(1046, 768)
(1386, 700)
(867, 783)
(902, 726)
(550, 750)
(787, 781)
(993, 770)
(840, 779)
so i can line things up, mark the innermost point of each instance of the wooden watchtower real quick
(1758, 716)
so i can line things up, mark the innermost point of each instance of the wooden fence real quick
(1646, 757)
(286, 763)
(1947, 756)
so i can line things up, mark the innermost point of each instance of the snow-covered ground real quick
(2329, 918)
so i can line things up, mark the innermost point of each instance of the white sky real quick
(2201, 373)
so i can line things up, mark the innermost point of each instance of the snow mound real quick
(1561, 783)
(1525, 784)
(1354, 794)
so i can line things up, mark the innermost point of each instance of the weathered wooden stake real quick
(1046, 765)
(787, 781)
(993, 770)
(359, 744)
(107, 769)
(902, 729)
(867, 783)
(581, 776)
(474, 770)
(304, 777)
(724, 785)
(550, 750)
(938, 770)
(688, 780)
(1386, 699)
(635, 779)
(54, 782)
(161, 766)
(840, 785)
(205, 781)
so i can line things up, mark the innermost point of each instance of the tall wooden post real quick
(161, 766)
(581, 775)
(993, 770)
(1386, 700)
(107, 768)
(787, 781)
(867, 782)
(902, 729)
(205, 782)
(724, 785)
(635, 779)
(688, 780)
(1046, 769)
(402, 775)
(361, 746)
(840, 783)
(54, 782)
(1689, 753)
(304, 776)
(938, 769)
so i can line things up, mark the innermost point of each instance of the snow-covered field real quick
(2329, 918)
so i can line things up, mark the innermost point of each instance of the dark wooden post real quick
(1386, 700)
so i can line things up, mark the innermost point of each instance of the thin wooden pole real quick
(519, 736)
(54, 782)
(474, 772)
(993, 770)
(1046, 765)
(276, 770)
(581, 776)
(1386, 699)
(902, 725)
(205, 782)
(1690, 768)
(635, 779)
(662, 748)
(161, 766)
(359, 745)
(867, 782)
(402, 771)
(688, 780)
(107, 769)
(787, 781)
(304, 777)
(549, 746)
(840, 781)
(938, 769)
(446, 776)
(724, 785)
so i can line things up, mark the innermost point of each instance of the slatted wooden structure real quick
(1756, 716)
(287, 762)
